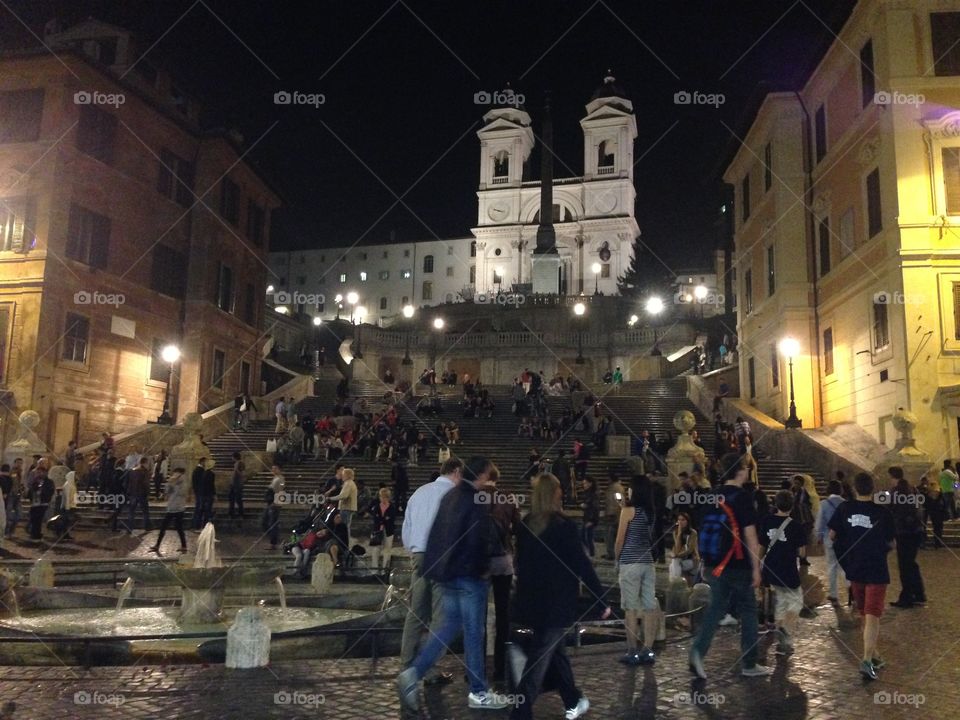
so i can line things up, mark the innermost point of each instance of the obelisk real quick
(546, 260)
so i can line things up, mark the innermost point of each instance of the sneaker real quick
(155, 549)
(868, 670)
(579, 711)
(756, 671)
(696, 665)
(407, 688)
(878, 663)
(728, 621)
(487, 700)
(631, 657)
(646, 656)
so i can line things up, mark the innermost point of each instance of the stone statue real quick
(26, 444)
(187, 453)
(685, 454)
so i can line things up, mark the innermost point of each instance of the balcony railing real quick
(500, 181)
(605, 170)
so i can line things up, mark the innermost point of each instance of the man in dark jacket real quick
(41, 493)
(208, 492)
(461, 543)
(138, 488)
(196, 480)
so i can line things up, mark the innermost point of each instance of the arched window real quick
(501, 164)
(605, 153)
(473, 248)
(473, 274)
(428, 263)
(560, 214)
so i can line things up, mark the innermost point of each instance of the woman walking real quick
(176, 493)
(637, 574)
(550, 567)
(591, 514)
(384, 515)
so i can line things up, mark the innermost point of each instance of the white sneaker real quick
(728, 621)
(756, 671)
(579, 711)
(487, 700)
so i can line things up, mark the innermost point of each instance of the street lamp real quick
(578, 310)
(408, 311)
(361, 312)
(352, 300)
(700, 293)
(596, 277)
(169, 354)
(438, 324)
(633, 320)
(339, 301)
(654, 306)
(498, 277)
(317, 320)
(790, 347)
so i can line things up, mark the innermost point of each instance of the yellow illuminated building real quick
(848, 230)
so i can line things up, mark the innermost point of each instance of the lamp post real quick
(596, 277)
(317, 322)
(498, 277)
(170, 354)
(654, 307)
(408, 314)
(578, 310)
(339, 301)
(352, 300)
(438, 324)
(790, 347)
(700, 293)
(361, 312)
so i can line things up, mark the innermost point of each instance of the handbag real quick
(376, 538)
(271, 445)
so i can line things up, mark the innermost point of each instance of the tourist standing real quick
(40, 494)
(383, 514)
(863, 533)
(69, 505)
(138, 491)
(948, 479)
(346, 499)
(458, 557)
(561, 470)
(730, 553)
(271, 513)
(208, 493)
(613, 505)
(634, 553)
(160, 464)
(591, 514)
(827, 508)
(401, 484)
(281, 412)
(936, 507)
(236, 486)
(196, 481)
(550, 567)
(506, 518)
(176, 494)
(617, 380)
(905, 504)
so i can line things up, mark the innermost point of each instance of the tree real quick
(645, 274)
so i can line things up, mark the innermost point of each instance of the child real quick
(783, 541)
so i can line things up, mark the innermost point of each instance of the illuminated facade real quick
(848, 230)
(123, 228)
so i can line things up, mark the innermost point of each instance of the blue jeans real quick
(734, 585)
(464, 609)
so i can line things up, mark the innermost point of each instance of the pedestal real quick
(26, 444)
(906, 454)
(248, 640)
(546, 274)
(684, 455)
(321, 576)
(187, 453)
(201, 607)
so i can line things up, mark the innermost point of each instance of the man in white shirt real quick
(425, 596)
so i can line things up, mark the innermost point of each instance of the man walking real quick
(863, 533)
(236, 486)
(138, 489)
(822, 530)
(730, 552)
(458, 557)
(208, 493)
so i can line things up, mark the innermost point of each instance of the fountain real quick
(203, 585)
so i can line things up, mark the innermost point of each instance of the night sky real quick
(399, 79)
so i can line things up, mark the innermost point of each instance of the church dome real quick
(609, 89)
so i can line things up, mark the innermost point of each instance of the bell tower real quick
(609, 131)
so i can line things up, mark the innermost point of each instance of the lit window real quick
(343, 277)
(363, 276)
(405, 274)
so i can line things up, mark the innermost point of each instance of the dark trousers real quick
(546, 660)
(911, 582)
(951, 508)
(158, 486)
(501, 605)
(271, 523)
(586, 536)
(141, 502)
(236, 498)
(177, 519)
(36, 520)
(936, 520)
(206, 511)
(308, 443)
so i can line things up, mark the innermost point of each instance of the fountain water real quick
(125, 591)
(282, 592)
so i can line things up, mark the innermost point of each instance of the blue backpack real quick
(720, 539)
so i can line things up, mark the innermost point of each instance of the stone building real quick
(124, 226)
(848, 230)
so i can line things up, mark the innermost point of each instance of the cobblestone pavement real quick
(819, 681)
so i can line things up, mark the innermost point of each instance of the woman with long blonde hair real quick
(551, 563)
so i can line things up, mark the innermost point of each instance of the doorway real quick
(66, 425)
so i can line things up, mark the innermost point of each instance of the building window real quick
(343, 277)
(244, 377)
(501, 164)
(363, 256)
(774, 367)
(406, 253)
(405, 300)
(5, 311)
(384, 274)
(951, 178)
(604, 270)
(159, 370)
(944, 31)
(771, 272)
(874, 210)
(497, 277)
(256, 224)
(752, 377)
(386, 254)
(250, 304)
(820, 132)
(18, 222)
(748, 291)
(230, 201)
(881, 326)
(473, 274)
(428, 263)
(427, 293)
(301, 280)
(828, 351)
(363, 276)
(449, 249)
(175, 178)
(605, 154)
(168, 273)
(868, 78)
(449, 270)
(767, 167)
(383, 303)
(76, 338)
(745, 196)
(219, 368)
(96, 133)
(225, 288)
(473, 248)
(88, 237)
(823, 234)
(20, 114)
(405, 274)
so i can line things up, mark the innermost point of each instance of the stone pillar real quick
(905, 454)
(248, 640)
(26, 444)
(684, 454)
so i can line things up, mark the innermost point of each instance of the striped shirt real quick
(636, 544)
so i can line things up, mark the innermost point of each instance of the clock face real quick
(606, 202)
(498, 211)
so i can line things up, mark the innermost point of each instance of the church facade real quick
(593, 217)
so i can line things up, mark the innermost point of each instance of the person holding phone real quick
(614, 503)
